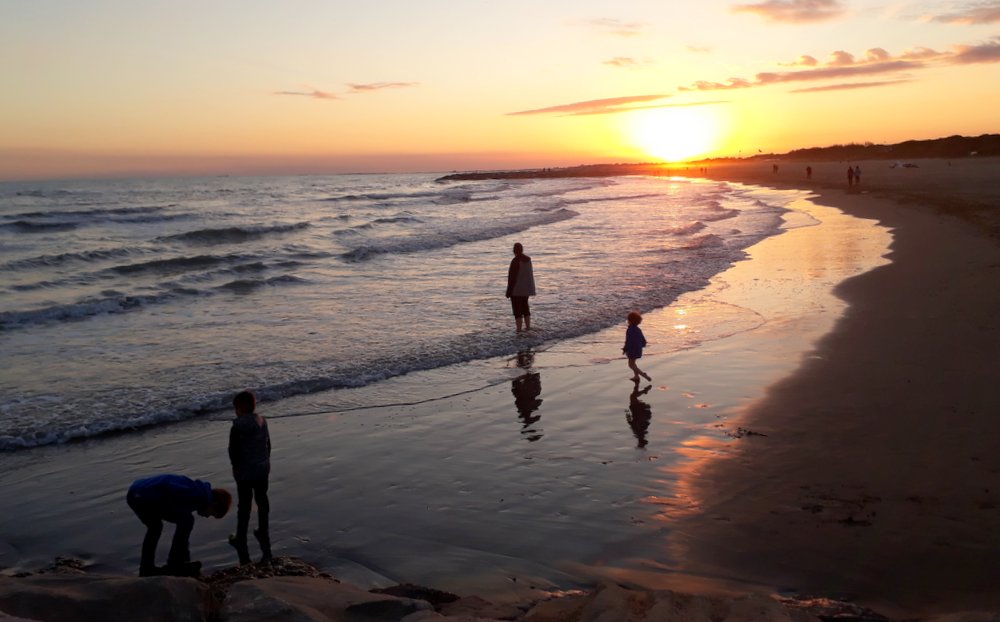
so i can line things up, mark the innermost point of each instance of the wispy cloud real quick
(794, 11)
(699, 49)
(849, 86)
(352, 89)
(622, 61)
(616, 27)
(980, 13)
(378, 86)
(876, 61)
(314, 93)
(611, 105)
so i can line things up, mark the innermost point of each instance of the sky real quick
(116, 88)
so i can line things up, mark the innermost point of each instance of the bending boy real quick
(173, 498)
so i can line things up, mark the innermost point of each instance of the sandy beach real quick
(877, 474)
(834, 442)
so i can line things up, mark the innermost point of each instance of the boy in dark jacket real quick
(173, 498)
(250, 455)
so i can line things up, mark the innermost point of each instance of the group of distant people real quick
(853, 174)
(175, 498)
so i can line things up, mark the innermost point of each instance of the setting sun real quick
(674, 134)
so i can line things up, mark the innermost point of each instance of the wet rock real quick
(407, 590)
(475, 607)
(311, 599)
(73, 597)
(613, 602)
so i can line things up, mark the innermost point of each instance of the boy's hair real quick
(245, 402)
(518, 248)
(221, 501)
(634, 318)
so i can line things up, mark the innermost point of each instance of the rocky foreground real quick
(291, 590)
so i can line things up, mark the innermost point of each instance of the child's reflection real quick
(639, 415)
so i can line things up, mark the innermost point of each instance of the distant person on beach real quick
(850, 175)
(173, 498)
(250, 455)
(635, 341)
(520, 285)
(857, 174)
(809, 172)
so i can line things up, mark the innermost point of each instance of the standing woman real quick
(520, 285)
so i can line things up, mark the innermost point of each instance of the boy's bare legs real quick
(527, 322)
(518, 320)
(636, 371)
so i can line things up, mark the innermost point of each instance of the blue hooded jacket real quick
(171, 497)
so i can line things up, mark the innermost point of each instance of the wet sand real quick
(877, 475)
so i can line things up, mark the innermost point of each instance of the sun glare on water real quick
(676, 134)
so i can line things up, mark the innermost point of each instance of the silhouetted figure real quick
(520, 285)
(173, 498)
(809, 172)
(635, 341)
(250, 455)
(774, 168)
(850, 175)
(857, 174)
(526, 390)
(639, 415)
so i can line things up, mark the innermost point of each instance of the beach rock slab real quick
(613, 602)
(474, 607)
(309, 599)
(72, 597)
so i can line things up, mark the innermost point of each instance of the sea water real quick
(135, 303)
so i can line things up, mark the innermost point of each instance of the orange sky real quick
(115, 88)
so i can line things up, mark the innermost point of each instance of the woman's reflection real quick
(526, 389)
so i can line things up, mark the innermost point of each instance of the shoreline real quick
(877, 460)
(722, 485)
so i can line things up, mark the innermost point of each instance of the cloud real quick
(594, 106)
(314, 93)
(875, 62)
(974, 54)
(616, 27)
(699, 49)
(877, 55)
(822, 73)
(794, 11)
(849, 86)
(378, 86)
(614, 105)
(621, 61)
(803, 61)
(841, 58)
(983, 13)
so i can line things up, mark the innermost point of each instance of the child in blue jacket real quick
(635, 341)
(173, 498)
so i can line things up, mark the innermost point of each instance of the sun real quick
(676, 134)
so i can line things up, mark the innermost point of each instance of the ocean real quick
(135, 303)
